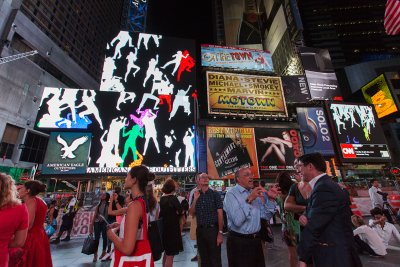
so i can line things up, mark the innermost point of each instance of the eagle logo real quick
(68, 150)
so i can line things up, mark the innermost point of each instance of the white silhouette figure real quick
(177, 157)
(189, 150)
(69, 98)
(150, 129)
(177, 61)
(132, 57)
(88, 102)
(337, 118)
(146, 37)
(181, 100)
(50, 119)
(169, 140)
(108, 69)
(114, 133)
(149, 96)
(113, 85)
(123, 38)
(107, 158)
(68, 150)
(123, 97)
(151, 69)
(163, 87)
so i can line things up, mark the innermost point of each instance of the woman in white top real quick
(367, 239)
(120, 212)
(154, 207)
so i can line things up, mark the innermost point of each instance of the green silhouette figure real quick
(130, 143)
(366, 133)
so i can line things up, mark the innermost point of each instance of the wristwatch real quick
(248, 201)
(220, 232)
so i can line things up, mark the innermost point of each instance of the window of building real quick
(9, 140)
(35, 148)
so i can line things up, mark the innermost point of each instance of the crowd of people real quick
(317, 221)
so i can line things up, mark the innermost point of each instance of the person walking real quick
(67, 220)
(14, 219)
(53, 213)
(207, 206)
(36, 242)
(367, 239)
(134, 225)
(327, 234)
(170, 210)
(99, 224)
(290, 227)
(244, 209)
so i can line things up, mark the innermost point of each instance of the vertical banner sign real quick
(276, 150)
(228, 150)
(244, 93)
(314, 131)
(320, 74)
(296, 89)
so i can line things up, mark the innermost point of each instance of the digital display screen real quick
(244, 93)
(144, 111)
(314, 131)
(377, 92)
(358, 133)
(229, 149)
(296, 89)
(67, 153)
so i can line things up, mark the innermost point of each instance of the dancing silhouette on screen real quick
(187, 62)
(177, 61)
(181, 99)
(132, 57)
(130, 143)
(151, 132)
(189, 148)
(151, 69)
(88, 102)
(123, 38)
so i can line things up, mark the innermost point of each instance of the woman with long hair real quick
(154, 207)
(278, 146)
(170, 210)
(14, 219)
(134, 225)
(290, 227)
(99, 225)
(36, 241)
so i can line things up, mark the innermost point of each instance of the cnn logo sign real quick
(348, 151)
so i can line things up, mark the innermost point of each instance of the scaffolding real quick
(134, 16)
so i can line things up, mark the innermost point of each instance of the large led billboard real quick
(314, 131)
(242, 93)
(276, 150)
(67, 153)
(377, 93)
(358, 133)
(320, 75)
(228, 150)
(235, 57)
(296, 89)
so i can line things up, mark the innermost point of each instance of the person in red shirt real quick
(13, 219)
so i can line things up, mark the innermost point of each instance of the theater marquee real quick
(245, 94)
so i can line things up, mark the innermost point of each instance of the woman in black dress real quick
(170, 210)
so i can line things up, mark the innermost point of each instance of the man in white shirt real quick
(377, 201)
(384, 229)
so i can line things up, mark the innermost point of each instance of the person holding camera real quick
(376, 195)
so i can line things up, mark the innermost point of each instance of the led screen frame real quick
(342, 141)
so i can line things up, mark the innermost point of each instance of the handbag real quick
(49, 230)
(155, 238)
(193, 227)
(90, 245)
(141, 255)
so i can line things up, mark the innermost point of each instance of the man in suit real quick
(327, 238)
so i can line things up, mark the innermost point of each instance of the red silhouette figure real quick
(187, 62)
(166, 97)
(194, 94)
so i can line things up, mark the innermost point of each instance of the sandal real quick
(95, 257)
(103, 254)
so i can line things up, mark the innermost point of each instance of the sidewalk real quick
(69, 254)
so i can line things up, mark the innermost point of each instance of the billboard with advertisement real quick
(314, 131)
(67, 153)
(377, 92)
(229, 149)
(234, 57)
(320, 75)
(358, 133)
(296, 89)
(293, 19)
(244, 93)
(276, 150)
(276, 31)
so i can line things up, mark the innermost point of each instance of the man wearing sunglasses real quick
(327, 237)
(244, 210)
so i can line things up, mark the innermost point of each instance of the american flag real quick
(392, 17)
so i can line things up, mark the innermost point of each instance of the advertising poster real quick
(235, 57)
(293, 18)
(228, 150)
(314, 131)
(276, 150)
(296, 89)
(244, 93)
(67, 153)
(358, 133)
(275, 33)
(377, 92)
(320, 75)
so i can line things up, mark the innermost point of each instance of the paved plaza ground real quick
(69, 254)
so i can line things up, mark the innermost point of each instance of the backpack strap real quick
(144, 218)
